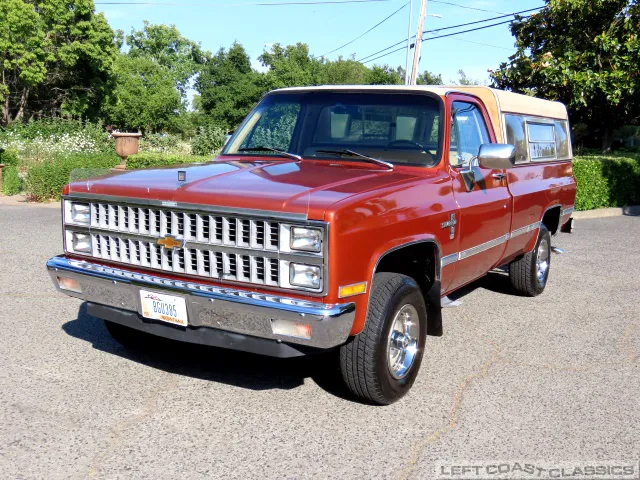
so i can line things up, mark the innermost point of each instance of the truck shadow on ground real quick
(496, 281)
(240, 369)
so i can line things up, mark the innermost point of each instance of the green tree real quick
(385, 75)
(584, 53)
(22, 56)
(464, 80)
(229, 87)
(291, 66)
(80, 53)
(429, 78)
(144, 96)
(165, 45)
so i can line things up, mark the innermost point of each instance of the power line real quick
(436, 38)
(464, 6)
(467, 31)
(371, 29)
(484, 44)
(443, 29)
(260, 4)
(436, 30)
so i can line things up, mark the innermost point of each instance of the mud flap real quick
(434, 311)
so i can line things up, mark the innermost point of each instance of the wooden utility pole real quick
(416, 51)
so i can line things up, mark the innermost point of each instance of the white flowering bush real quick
(41, 139)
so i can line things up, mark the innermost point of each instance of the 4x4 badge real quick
(451, 225)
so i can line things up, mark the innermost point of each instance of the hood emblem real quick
(170, 242)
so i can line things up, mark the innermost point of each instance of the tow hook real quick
(557, 250)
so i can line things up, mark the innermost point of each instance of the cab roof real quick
(497, 101)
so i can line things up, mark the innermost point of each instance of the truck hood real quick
(306, 188)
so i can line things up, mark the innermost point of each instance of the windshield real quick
(399, 128)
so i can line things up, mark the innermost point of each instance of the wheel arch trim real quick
(387, 250)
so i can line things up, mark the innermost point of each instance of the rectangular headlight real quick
(78, 213)
(306, 276)
(306, 239)
(80, 242)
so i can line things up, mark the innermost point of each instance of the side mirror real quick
(497, 156)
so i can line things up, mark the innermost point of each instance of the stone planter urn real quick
(127, 144)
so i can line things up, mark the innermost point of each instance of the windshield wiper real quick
(262, 148)
(351, 153)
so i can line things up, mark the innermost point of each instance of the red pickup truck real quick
(335, 218)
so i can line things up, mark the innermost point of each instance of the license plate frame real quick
(170, 309)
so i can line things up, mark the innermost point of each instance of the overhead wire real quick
(367, 59)
(368, 31)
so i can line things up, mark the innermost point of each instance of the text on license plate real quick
(166, 308)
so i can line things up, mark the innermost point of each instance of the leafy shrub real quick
(9, 157)
(611, 181)
(45, 180)
(11, 182)
(164, 143)
(209, 140)
(146, 160)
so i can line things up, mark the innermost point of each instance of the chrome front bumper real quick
(209, 307)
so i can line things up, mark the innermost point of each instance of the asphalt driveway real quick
(553, 380)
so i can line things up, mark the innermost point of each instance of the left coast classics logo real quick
(170, 242)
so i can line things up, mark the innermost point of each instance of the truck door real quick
(485, 211)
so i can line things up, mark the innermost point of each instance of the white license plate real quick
(165, 308)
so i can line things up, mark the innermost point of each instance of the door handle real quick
(499, 176)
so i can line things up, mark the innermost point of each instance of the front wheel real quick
(530, 273)
(381, 363)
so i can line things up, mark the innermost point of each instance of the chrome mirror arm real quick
(468, 174)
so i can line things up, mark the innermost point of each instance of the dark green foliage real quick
(165, 45)
(607, 181)
(9, 157)
(229, 88)
(59, 55)
(584, 53)
(144, 97)
(209, 140)
(146, 160)
(11, 183)
(45, 180)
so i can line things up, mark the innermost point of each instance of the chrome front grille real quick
(193, 227)
(200, 261)
(228, 245)
(120, 233)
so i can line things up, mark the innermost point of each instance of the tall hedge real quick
(607, 181)
(45, 180)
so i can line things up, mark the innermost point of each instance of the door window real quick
(468, 132)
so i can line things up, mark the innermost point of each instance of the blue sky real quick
(217, 23)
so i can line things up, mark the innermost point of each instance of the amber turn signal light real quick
(351, 290)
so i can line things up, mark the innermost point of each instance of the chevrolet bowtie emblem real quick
(170, 242)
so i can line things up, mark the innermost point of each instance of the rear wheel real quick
(530, 273)
(381, 363)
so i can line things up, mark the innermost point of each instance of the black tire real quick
(526, 273)
(364, 361)
(131, 338)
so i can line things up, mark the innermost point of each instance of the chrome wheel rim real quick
(542, 262)
(402, 345)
